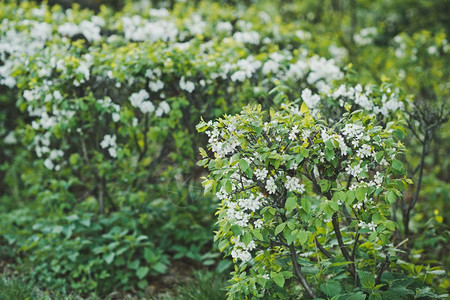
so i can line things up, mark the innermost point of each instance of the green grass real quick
(204, 285)
(14, 288)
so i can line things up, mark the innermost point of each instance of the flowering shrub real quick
(305, 204)
(107, 106)
(98, 140)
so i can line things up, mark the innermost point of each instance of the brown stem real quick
(354, 246)
(322, 249)
(352, 268)
(298, 272)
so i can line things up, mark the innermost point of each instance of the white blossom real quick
(186, 85)
(271, 187)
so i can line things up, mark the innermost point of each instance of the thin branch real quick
(354, 246)
(402, 242)
(322, 249)
(352, 267)
(298, 273)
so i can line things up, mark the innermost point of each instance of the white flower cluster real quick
(372, 226)
(188, 86)
(89, 29)
(246, 68)
(17, 44)
(271, 186)
(238, 211)
(293, 185)
(261, 174)
(364, 151)
(251, 203)
(54, 155)
(364, 97)
(354, 132)
(335, 137)
(249, 37)
(225, 27)
(273, 64)
(137, 29)
(114, 108)
(311, 100)
(138, 100)
(320, 72)
(356, 170)
(155, 84)
(365, 36)
(109, 141)
(219, 145)
(293, 134)
(242, 251)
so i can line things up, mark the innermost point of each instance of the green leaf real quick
(334, 205)
(159, 267)
(142, 271)
(302, 236)
(329, 154)
(329, 145)
(306, 205)
(350, 197)
(367, 279)
(257, 234)
(331, 288)
(291, 204)
(361, 194)
(228, 187)
(390, 224)
(109, 257)
(247, 238)
(397, 165)
(279, 279)
(243, 164)
(324, 185)
(236, 230)
(280, 228)
(142, 284)
(134, 265)
(379, 156)
(290, 236)
(149, 255)
(390, 197)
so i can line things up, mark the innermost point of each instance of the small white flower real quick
(261, 174)
(293, 133)
(115, 117)
(258, 223)
(357, 206)
(271, 187)
(372, 226)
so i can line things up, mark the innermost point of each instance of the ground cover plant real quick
(332, 183)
